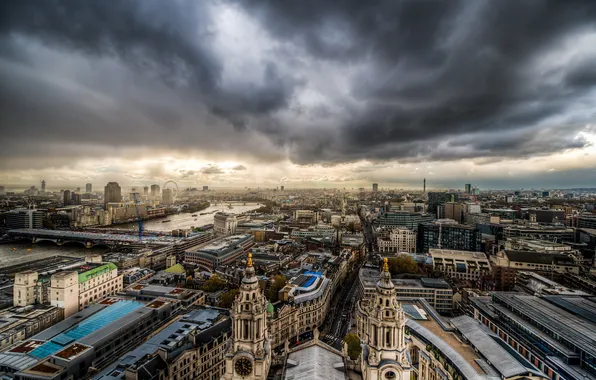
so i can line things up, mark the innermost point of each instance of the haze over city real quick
(306, 94)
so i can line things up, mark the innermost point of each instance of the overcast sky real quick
(303, 93)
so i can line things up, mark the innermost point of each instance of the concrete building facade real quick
(400, 239)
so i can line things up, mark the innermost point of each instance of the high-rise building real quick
(436, 199)
(112, 193)
(205, 188)
(146, 190)
(2, 191)
(455, 211)
(424, 186)
(24, 218)
(447, 234)
(88, 188)
(468, 188)
(375, 187)
(406, 219)
(167, 197)
(282, 187)
(155, 190)
(43, 185)
(75, 199)
(67, 197)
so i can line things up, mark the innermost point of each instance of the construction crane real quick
(139, 219)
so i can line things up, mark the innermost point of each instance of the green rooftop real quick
(86, 276)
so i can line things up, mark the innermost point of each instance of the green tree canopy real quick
(402, 264)
(278, 283)
(213, 284)
(227, 298)
(354, 348)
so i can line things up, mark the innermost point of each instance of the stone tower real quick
(249, 350)
(381, 324)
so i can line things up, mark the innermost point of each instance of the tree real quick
(402, 264)
(227, 298)
(353, 343)
(278, 283)
(213, 284)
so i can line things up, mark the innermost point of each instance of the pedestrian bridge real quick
(87, 239)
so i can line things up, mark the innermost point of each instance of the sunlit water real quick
(186, 220)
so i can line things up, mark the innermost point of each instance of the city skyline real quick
(234, 94)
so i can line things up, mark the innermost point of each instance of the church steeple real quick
(381, 322)
(249, 355)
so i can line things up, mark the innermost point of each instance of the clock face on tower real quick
(243, 366)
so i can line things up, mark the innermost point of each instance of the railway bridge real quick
(87, 239)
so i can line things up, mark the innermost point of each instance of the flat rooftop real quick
(572, 319)
(456, 255)
(90, 325)
(500, 358)
(463, 355)
(203, 321)
(370, 277)
(221, 245)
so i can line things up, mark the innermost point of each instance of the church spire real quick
(249, 272)
(385, 281)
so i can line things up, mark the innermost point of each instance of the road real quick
(339, 320)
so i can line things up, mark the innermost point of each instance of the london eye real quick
(172, 186)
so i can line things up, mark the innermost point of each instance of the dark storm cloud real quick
(427, 80)
(439, 69)
(171, 43)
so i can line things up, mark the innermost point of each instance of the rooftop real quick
(222, 245)
(462, 355)
(89, 271)
(206, 320)
(480, 338)
(314, 363)
(456, 255)
(537, 257)
(71, 351)
(573, 318)
(97, 321)
(370, 277)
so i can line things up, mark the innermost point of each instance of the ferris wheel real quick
(172, 186)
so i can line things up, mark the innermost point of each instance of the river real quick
(21, 252)
(186, 220)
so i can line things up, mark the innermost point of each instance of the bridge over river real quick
(89, 239)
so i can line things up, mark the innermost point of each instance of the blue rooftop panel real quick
(313, 273)
(62, 339)
(88, 326)
(309, 282)
(46, 349)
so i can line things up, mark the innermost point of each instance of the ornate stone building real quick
(249, 349)
(381, 327)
